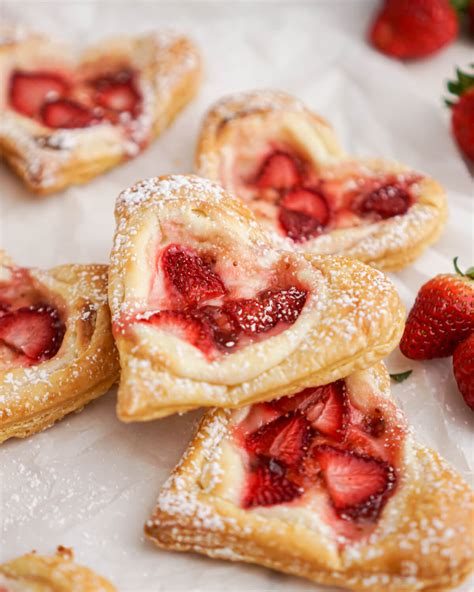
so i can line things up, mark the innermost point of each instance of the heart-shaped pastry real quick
(58, 573)
(207, 311)
(57, 352)
(286, 164)
(64, 120)
(328, 484)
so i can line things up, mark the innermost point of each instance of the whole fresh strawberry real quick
(409, 29)
(442, 316)
(463, 366)
(462, 112)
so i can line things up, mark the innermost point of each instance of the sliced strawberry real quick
(303, 214)
(287, 303)
(30, 90)
(298, 226)
(188, 277)
(36, 332)
(118, 92)
(285, 439)
(67, 114)
(357, 484)
(279, 171)
(270, 307)
(224, 332)
(267, 485)
(185, 326)
(309, 202)
(385, 202)
(327, 414)
(301, 401)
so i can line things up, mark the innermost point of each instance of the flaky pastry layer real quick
(389, 244)
(422, 540)
(353, 317)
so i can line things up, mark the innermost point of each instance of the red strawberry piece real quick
(67, 114)
(357, 484)
(279, 171)
(287, 303)
(258, 315)
(327, 414)
(385, 202)
(251, 316)
(30, 90)
(188, 277)
(118, 92)
(301, 401)
(462, 111)
(224, 332)
(442, 316)
(185, 326)
(36, 332)
(285, 439)
(463, 365)
(267, 485)
(303, 214)
(408, 29)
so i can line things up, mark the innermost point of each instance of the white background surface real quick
(91, 482)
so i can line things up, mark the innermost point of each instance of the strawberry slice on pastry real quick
(56, 347)
(286, 164)
(207, 311)
(364, 507)
(65, 119)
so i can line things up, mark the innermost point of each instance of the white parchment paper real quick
(91, 482)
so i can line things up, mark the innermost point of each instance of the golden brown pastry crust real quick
(48, 160)
(390, 244)
(423, 540)
(353, 320)
(86, 365)
(37, 573)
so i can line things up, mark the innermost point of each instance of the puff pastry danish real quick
(56, 347)
(64, 120)
(288, 166)
(328, 484)
(207, 311)
(37, 573)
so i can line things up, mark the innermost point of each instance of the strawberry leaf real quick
(463, 82)
(401, 376)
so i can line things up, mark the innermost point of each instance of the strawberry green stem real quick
(468, 273)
